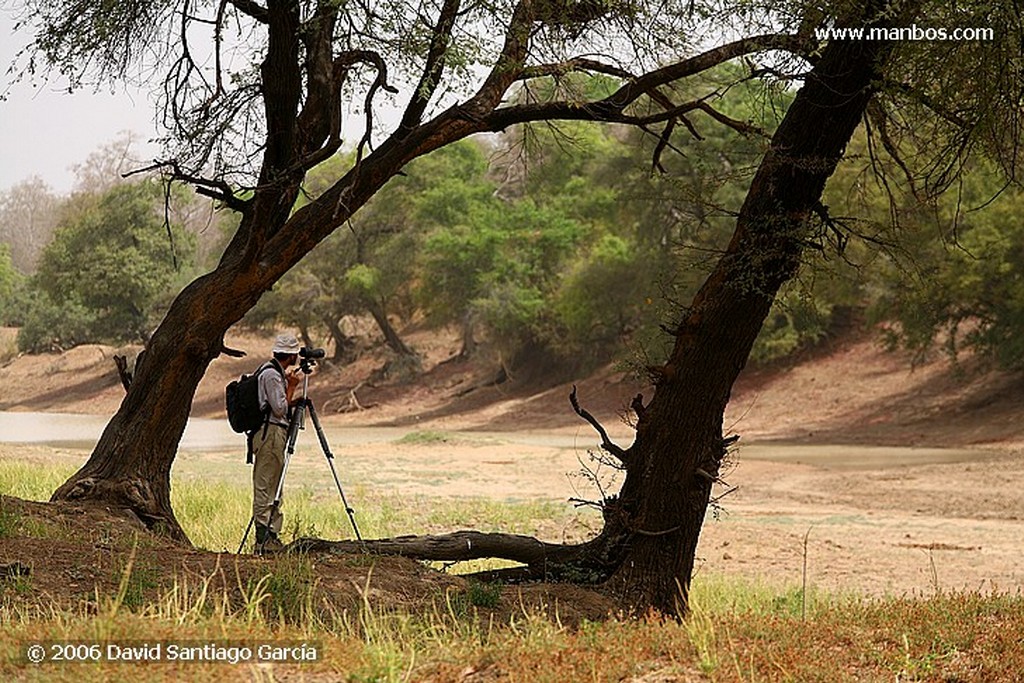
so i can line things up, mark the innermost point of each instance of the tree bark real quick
(458, 546)
(344, 346)
(130, 466)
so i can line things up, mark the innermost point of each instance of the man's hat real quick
(286, 343)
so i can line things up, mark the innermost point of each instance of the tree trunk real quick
(468, 340)
(391, 336)
(344, 346)
(645, 553)
(130, 466)
(679, 444)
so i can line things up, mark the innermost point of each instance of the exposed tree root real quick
(130, 494)
(580, 563)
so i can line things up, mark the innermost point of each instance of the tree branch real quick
(876, 114)
(252, 9)
(434, 65)
(507, 66)
(381, 81)
(612, 108)
(929, 103)
(581, 64)
(741, 127)
(216, 189)
(606, 443)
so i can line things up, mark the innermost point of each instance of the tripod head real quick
(309, 357)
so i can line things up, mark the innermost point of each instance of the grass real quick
(32, 480)
(950, 637)
(215, 513)
(738, 630)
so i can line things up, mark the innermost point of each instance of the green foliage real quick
(964, 285)
(369, 267)
(570, 255)
(49, 326)
(573, 253)
(606, 292)
(107, 269)
(11, 282)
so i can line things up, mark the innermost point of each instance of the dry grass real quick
(944, 638)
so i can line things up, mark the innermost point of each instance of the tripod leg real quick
(252, 520)
(330, 461)
(289, 451)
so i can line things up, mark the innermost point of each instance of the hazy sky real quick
(45, 131)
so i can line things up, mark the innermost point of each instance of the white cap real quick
(286, 343)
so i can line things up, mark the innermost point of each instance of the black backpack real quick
(242, 398)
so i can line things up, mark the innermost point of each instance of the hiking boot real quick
(270, 546)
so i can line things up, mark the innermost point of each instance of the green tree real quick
(10, 284)
(111, 261)
(369, 268)
(964, 286)
(248, 129)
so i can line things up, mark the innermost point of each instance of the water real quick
(82, 431)
(65, 430)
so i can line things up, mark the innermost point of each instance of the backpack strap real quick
(272, 363)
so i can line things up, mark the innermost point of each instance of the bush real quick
(48, 326)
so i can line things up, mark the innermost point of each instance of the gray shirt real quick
(272, 392)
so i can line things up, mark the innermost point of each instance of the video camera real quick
(309, 358)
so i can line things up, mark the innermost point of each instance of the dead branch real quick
(582, 64)
(381, 81)
(122, 371)
(216, 189)
(233, 353)
(253, 9)
(612, 108)
(606, 443)
(637, 404)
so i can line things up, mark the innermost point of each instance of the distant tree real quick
(106, 166)
(962, 286)
(28, 215)
(10, 284)
(110, 261)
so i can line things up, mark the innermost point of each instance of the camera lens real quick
(307, 352)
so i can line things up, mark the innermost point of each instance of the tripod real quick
(297, 423)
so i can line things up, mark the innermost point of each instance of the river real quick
(64, 430)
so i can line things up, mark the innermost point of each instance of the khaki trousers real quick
(268, 452)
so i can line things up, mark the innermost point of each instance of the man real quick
(276, 395)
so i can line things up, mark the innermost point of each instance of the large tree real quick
(251, 112)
